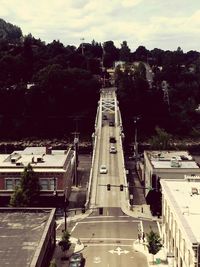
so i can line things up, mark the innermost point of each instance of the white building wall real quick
(175, 238)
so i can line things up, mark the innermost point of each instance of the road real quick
(106, 198)
(109, 239)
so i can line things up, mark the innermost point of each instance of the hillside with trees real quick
(9, 32)
(46, 88)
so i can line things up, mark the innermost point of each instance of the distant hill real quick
(9, 32)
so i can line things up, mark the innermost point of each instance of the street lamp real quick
(135, 141)
(82, 46)
(66, 203)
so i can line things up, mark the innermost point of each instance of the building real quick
(180, 220)
(27, 236)
(167, 165)
(54, 168)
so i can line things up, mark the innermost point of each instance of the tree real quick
(27, 193)
(141, 53)
(161, 141)
(18, 198)
(65, 242)
(124, 53)
(53, 263)
(110, 54)
(154, 243)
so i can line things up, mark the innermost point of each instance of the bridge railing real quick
(121, 163)
(91, 192)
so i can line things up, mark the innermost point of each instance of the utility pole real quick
(76, 141)
(82, 46)
(102, 67)
(135, 141)
(66, 203)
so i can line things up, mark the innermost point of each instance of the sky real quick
(164, 24)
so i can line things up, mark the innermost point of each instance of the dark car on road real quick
(77, 260)
(112, 139)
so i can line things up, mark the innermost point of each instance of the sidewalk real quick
(61, 258)
(159, 258)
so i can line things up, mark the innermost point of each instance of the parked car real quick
(103, 169)
(111, 123)
(112, 139)
(113, 150)
(76, 260)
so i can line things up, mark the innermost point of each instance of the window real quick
(11, 183)
(48, 183)
(44, 184)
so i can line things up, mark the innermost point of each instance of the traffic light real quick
(100, 211)
(108, 187)
(121, 187)
(83, 210)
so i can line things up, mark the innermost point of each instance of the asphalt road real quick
(109, 239)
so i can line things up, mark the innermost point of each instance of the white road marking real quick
(97, 260)
(74, 227)
(158, 224)
(107, 244)
(113, 221)
(119, 251)
(58, 226)
(95, 217)
(105, 238)
(141, 227)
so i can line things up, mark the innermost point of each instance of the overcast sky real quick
(164, 24)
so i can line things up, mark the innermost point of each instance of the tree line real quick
(45, 88)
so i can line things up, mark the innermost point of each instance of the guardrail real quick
(93, 172)
(121, 164)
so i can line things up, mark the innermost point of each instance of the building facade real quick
(166, 165)
(54, 168)
(180, 220)
(27, 236)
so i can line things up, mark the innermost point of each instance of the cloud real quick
(140, 22)
(130, 3)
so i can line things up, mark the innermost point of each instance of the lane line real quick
(141, 227)
(113, 245)
(159, 228)
(74, 227)
(107, 238)
(113, 221)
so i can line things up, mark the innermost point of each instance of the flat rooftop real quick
(162, 159)
(37, 156)
(20, 235)
(184, 196)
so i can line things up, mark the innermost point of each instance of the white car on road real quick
(113, 150)
(103, 169)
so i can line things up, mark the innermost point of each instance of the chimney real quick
(48, 150)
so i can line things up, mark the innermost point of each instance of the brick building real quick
(54, 168)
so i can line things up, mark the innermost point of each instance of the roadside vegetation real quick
(48, 90)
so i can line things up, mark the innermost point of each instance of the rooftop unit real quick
(175, 162)
(14, 157)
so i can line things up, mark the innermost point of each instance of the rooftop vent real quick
(48, 150)
(194, 191)
(40, 159)
(175, 162)
(19, 164)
